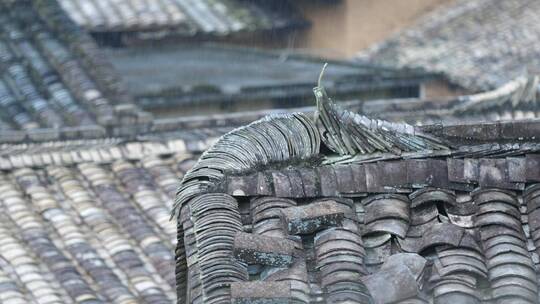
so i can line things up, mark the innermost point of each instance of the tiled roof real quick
(51, 73)
(345, 208)
(515, 100)
(185, 17)
(130, 129)
(196, 74)
(478, 44)
(87, 221)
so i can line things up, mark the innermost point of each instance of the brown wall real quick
(341, 30)
(438, 88)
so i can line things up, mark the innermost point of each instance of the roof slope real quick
(51, 73)
(478, 44)
(185, 17)
(86, 221)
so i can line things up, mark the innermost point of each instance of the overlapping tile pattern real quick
(478, 44)
(489, 259)
(477, 243)
(184, 16)
(33, 231)
(344, 224)
(51, 73)
(104, 151)
(90, 229)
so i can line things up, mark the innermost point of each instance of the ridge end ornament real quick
(348, 133)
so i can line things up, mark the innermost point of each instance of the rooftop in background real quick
(52, 74)
(182, 17)
(232, 78)
(87, 221)
(479, 44)
(516, 100)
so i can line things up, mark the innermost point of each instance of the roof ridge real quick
(276, 138)
(285, 138)
(101, 151)
(349, 133)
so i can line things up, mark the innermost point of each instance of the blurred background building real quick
(108, 63)
(211, 56)
(112, 100)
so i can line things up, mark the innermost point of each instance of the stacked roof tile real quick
(86, 221)
(342, 208)
(51, 74)
(185, 17)
(478, 44)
